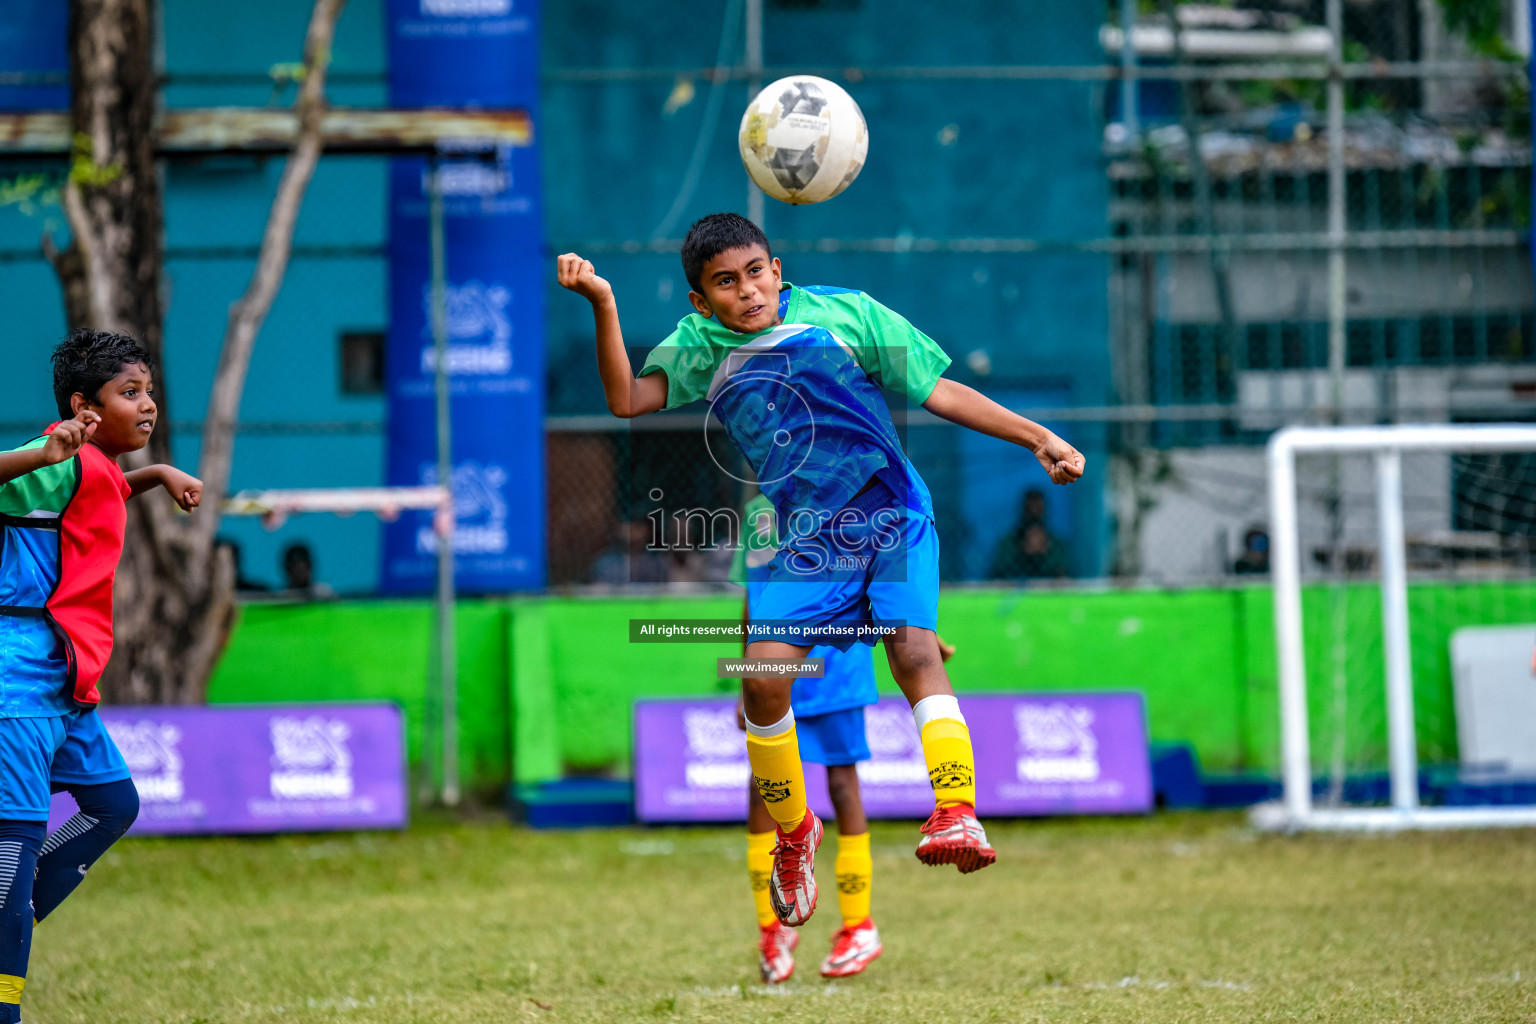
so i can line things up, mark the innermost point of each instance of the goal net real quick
(1404, 573)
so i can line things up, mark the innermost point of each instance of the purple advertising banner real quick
(1036, 754)
(268, 768)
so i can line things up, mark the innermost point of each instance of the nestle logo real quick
(310, 759)
(712, 734)
(467, 179)
(150, 748)
(466, 8)
(1056, 743)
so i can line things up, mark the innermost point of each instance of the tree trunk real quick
(111, 271)
(174, 602)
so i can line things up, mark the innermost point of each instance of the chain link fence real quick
(1164, 243)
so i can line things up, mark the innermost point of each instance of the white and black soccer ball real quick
(803, 139)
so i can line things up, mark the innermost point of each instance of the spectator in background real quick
(629, 558)
(1033, 508)
(1029, 550)
(698, 554)
(1254, 561)
(243, 583)
(299, 575)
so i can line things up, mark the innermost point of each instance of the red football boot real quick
(792, 889)
(776, 952)
(952, 835)
(853, 949)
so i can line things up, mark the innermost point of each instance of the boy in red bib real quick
(62, 521)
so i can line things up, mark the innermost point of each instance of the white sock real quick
(940, 705)
(778, 728)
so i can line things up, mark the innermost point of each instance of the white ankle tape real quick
(778, 728)
(940, 705)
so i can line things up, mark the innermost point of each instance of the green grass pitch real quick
(1172, 918)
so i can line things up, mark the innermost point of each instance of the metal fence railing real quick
(1166, 242)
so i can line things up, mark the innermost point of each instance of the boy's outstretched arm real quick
(627, 396)
(184, 488)
(968, 407)
(63, 442)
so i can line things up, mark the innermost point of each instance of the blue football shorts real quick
(88, 756)
(41, 756)
(836, 737)
(874, 564)
(27, 746)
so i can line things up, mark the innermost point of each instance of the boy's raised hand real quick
(69, 437)
(581, 277)
(1061, 461)
(184, 488)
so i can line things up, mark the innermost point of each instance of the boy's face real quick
(126, 405)
(741, 289)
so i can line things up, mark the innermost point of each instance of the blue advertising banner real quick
(34, 50)
(468, 53)
(455, 53)
(268, 768)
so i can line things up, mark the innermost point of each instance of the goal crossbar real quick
(1295, 811)
(340, 500)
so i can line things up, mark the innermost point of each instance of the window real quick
(362, 362)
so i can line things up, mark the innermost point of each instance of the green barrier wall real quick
(546, 684)
(377, 650)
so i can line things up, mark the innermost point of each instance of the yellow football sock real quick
(951, 763)
(779, 776)
(10, 988)
(759, 868)
(855, 868)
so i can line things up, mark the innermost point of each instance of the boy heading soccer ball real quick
(62, 516)
(795, 376)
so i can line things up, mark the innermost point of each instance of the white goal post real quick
(1387, 443)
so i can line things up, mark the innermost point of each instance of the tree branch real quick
(250, 311)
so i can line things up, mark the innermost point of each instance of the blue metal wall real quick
(215, 212)
(948, 159)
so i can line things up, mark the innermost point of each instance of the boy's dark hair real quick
(86, 359)
(712, 235)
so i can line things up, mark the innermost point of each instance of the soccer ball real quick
(803, 139)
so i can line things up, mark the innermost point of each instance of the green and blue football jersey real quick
(61, 535)
(803, 401)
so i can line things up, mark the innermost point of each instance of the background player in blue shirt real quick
(799, 392)
(829, 720)
(829, 717)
